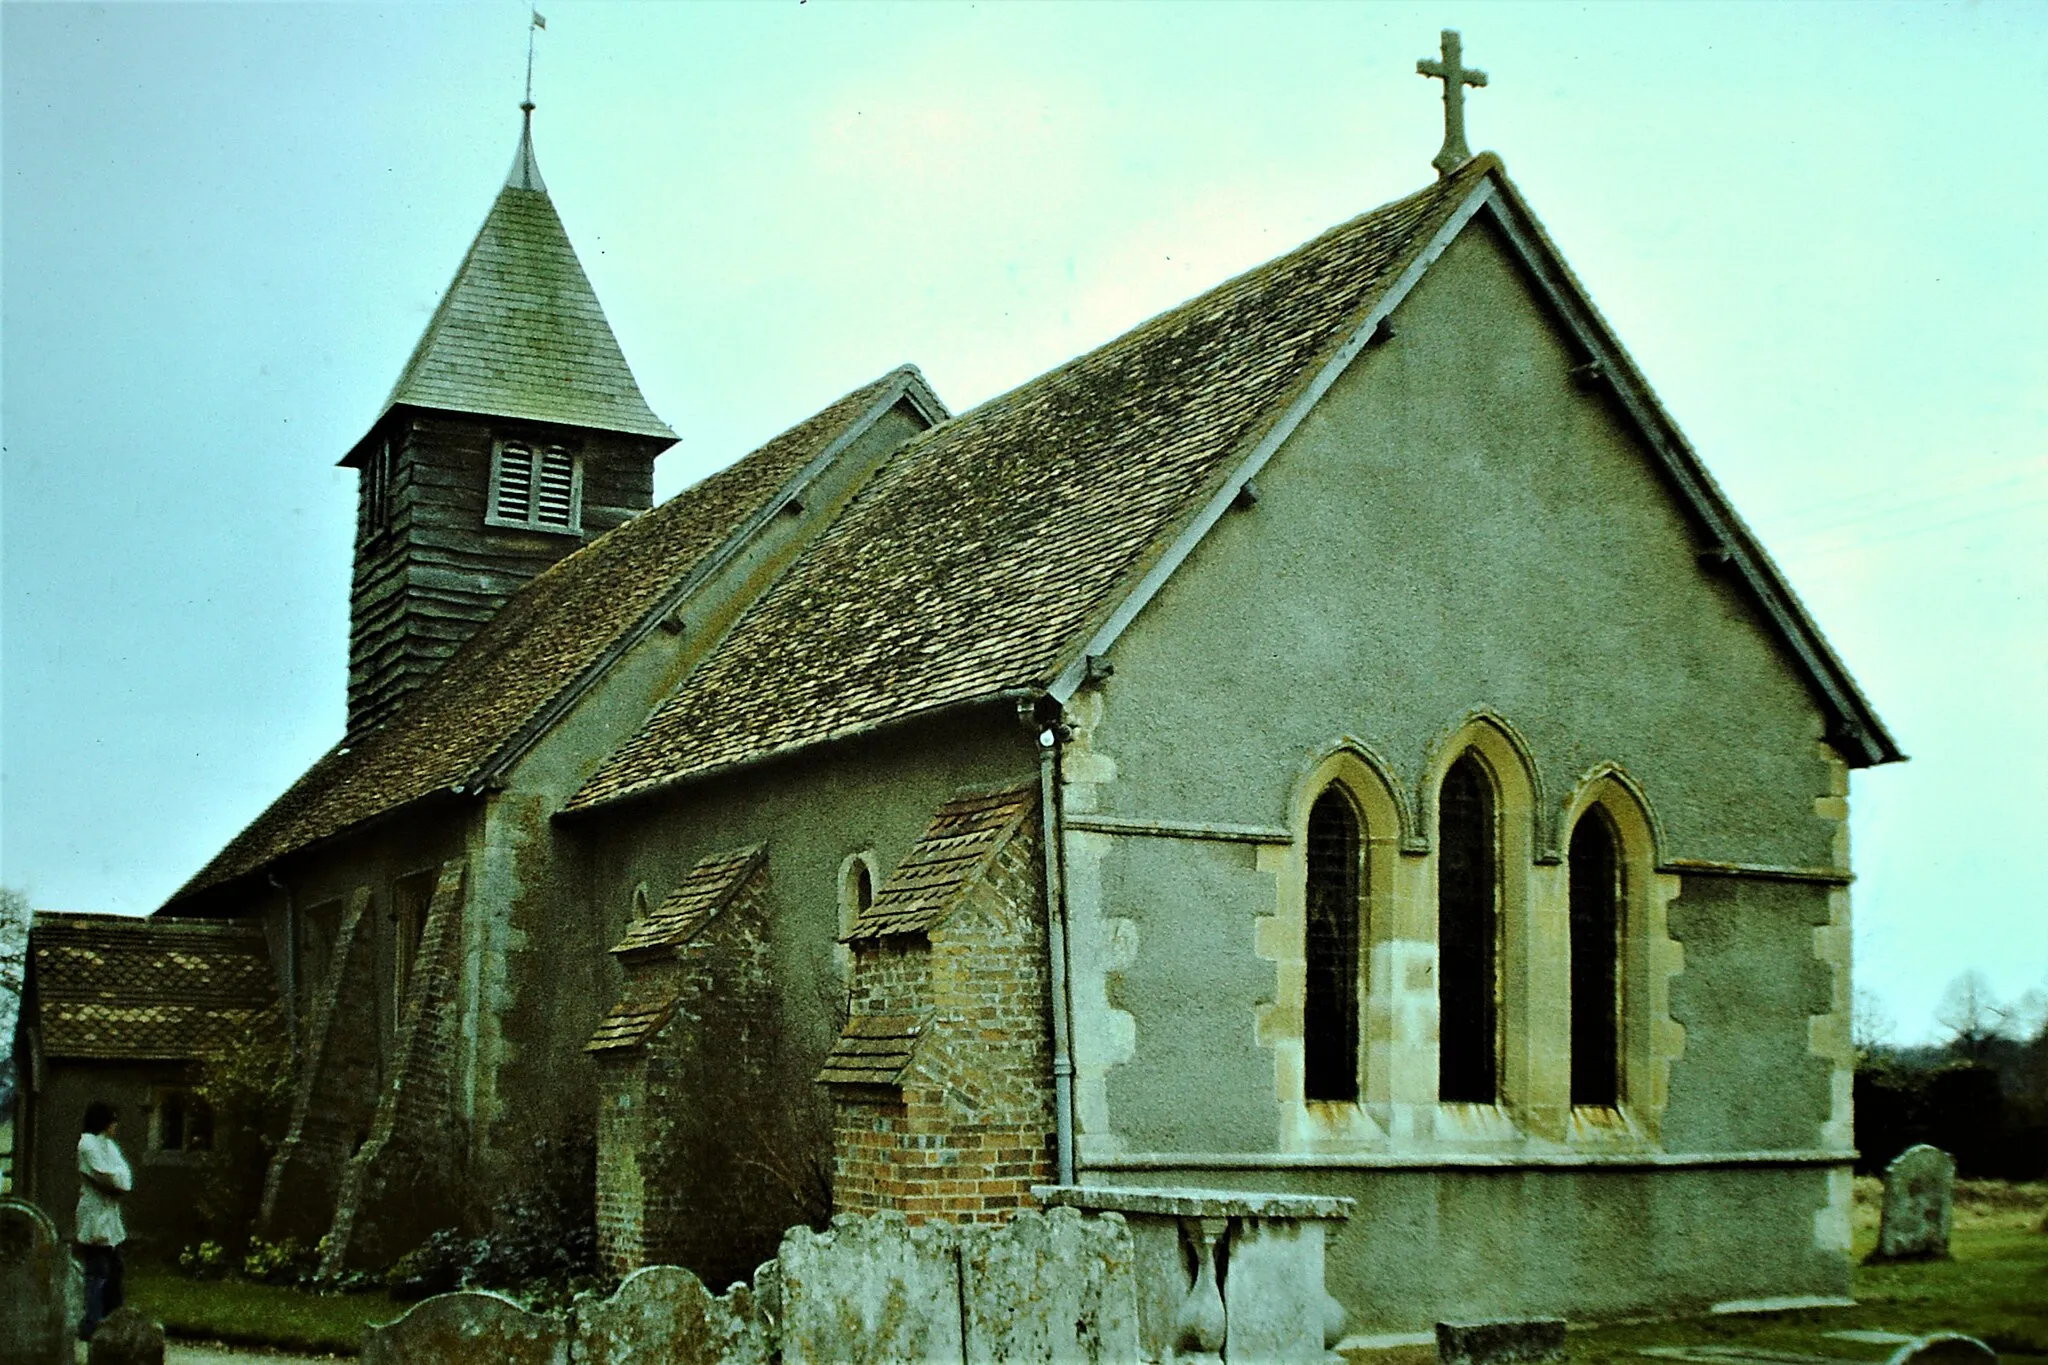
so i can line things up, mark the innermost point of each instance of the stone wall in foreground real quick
(1060, 1285)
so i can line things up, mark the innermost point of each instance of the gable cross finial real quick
(1455, 75)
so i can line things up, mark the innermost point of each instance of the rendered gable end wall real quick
(1457, 529)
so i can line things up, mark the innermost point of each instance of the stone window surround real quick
(1399, 1110)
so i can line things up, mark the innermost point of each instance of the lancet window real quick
(1596, 926)
(1334, 885)
(1468, 937)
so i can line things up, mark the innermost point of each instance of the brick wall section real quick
(335, 1095)
(691, 1146)
(405, 1180)
(970, 1130)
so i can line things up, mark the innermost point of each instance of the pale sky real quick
(1819, 229)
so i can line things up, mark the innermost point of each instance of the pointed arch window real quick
(1468, 937)
(1596, 925)
(536, 485)
(1332, 933)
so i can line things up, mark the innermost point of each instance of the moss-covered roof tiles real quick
(520, 332)
(552, 632)
(111, 987)
(963, 838)
(707, 889)
(987, 549)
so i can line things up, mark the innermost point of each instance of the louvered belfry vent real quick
(535, 485)
(515, 482)
(555, 504)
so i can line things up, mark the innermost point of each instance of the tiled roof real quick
(963, 838)
(520, 333)
(873, 1049)
(552, 631)
(114, 987)
(708, 888)
(986, 550)
(641, 1011)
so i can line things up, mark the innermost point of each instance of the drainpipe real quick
(1056, 949)
(291, 966)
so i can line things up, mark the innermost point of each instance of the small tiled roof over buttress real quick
(111, 987)
(984, 551)
(552, 632)
(708, 888)
(650, 998)
(962, 839)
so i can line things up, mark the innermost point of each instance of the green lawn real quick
(1995, 1288)
(256, 1314)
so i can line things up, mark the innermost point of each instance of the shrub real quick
(206, 1260)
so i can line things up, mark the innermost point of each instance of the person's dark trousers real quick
(103, 1288)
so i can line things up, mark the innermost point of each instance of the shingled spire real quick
(514, 434)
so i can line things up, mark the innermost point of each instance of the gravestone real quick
(1500, 1341)
(1944, 1348)
(127, 1336)
(472, 1327)
(871, 1288)
(665, 1313)
(1919, 1206)
(36, 1288)
(1049, 1286)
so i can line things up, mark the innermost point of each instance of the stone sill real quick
(1403, 1161)
(1177, 1202)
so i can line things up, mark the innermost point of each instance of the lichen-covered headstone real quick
(36, 1318)
(127, 1336)
(870, 1289)
(472, 1327)
(664, 1313)
(1050, 1286)
(1919, 1206)
(1500, 1341)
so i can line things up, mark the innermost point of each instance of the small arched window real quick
(856, 894)
(1468, 937)
(1596, 921)
(1330, 1012)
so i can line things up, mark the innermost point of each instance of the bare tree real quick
(14, 919)
(1971, 1014)
(1871, 1025)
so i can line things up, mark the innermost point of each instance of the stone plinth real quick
(1272, 1305)
(1500, 1341)
(1919, 1206)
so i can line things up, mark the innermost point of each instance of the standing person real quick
(103, 1178)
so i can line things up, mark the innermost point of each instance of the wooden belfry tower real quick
(514, 434)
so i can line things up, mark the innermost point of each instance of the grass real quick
(256, 1314)
(1994, 1288)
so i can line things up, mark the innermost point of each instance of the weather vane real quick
(540, 21)
(1455, 75)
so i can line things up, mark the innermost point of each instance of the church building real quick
(1334, 738)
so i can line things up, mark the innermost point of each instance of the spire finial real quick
(1455, 75)
(525, 173)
